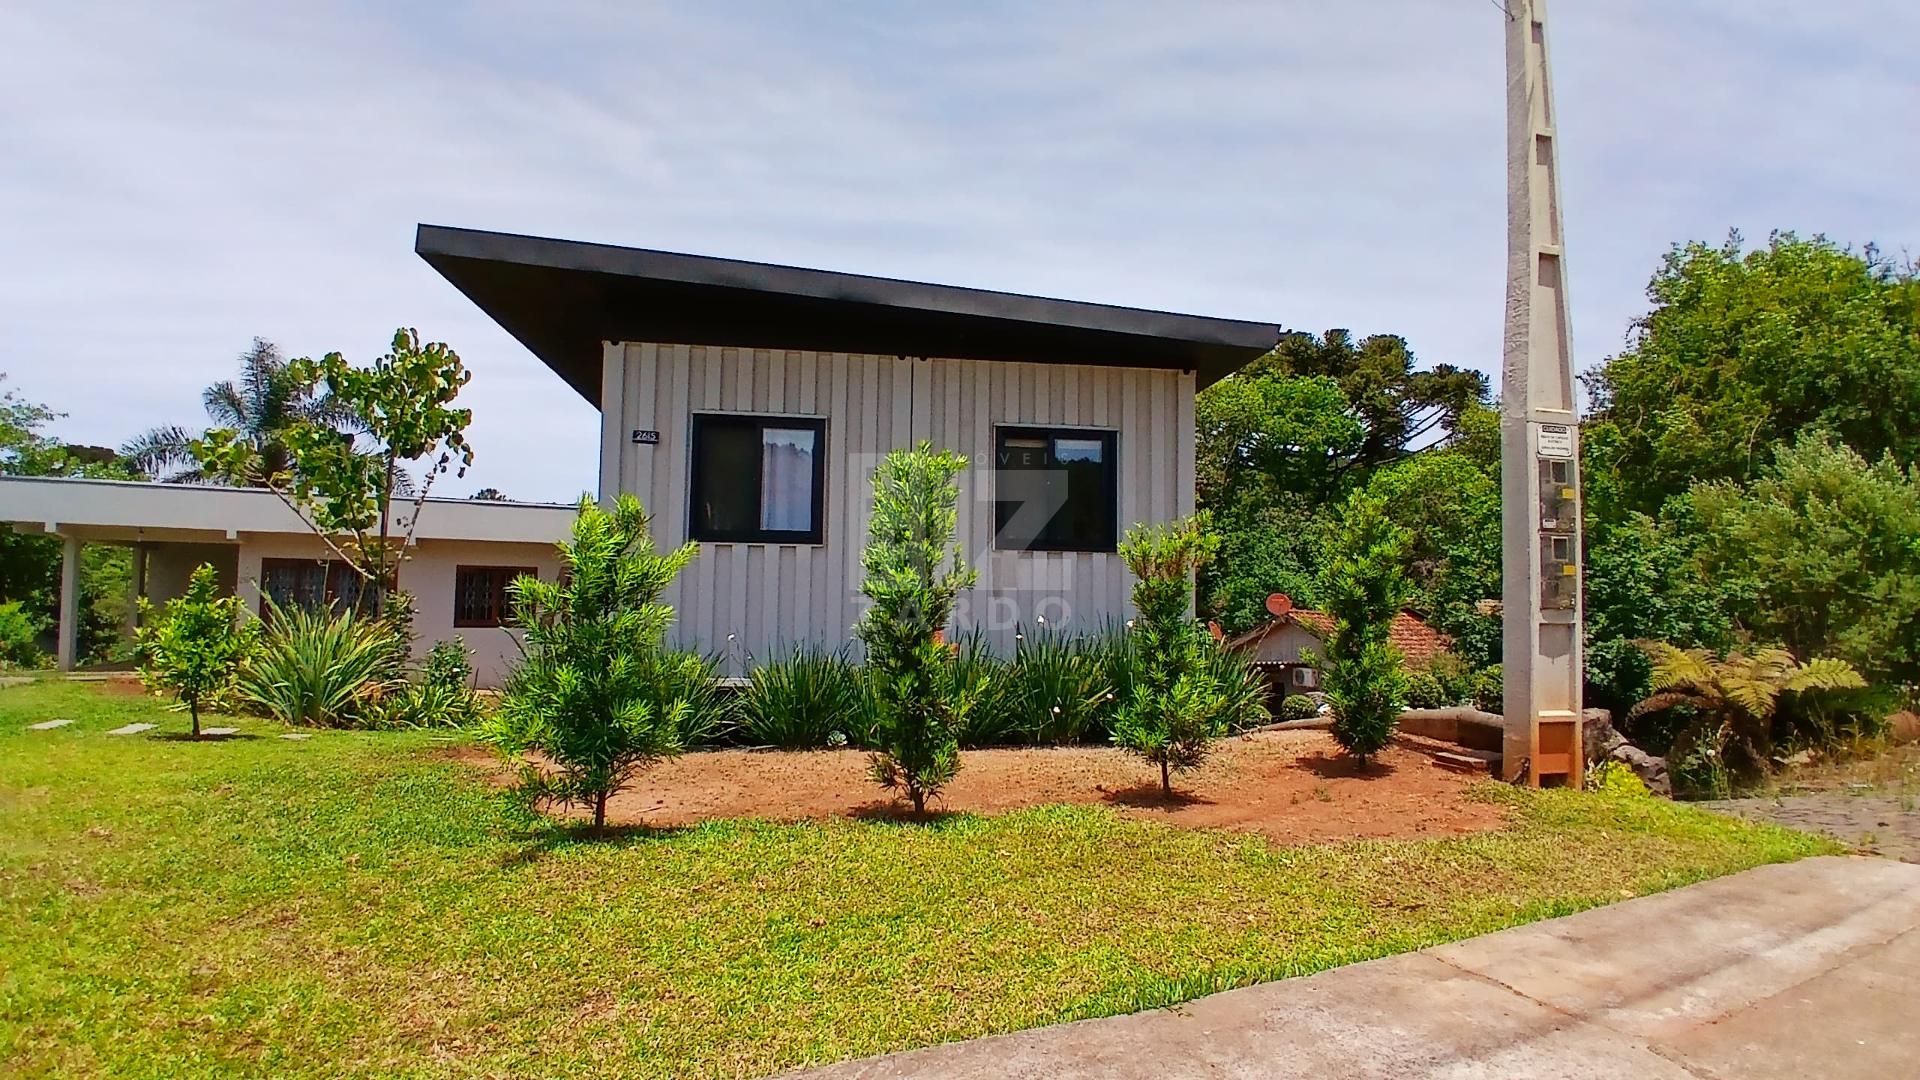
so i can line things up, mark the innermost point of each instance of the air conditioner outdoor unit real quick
(1306, 678)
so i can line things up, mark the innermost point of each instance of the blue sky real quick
(176, 179)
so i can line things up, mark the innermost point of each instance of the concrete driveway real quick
(1805, 969)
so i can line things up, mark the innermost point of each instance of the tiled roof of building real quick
(1419, 643)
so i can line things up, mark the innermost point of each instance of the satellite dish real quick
(1279, 605)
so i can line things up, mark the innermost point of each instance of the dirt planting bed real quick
(1295, 787)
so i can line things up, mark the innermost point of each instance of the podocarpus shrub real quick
(1298, 707)
(806, 700)
(195, 646)
(1176, 709)
(597, 693)
(1363, 587)
(323, 669)
(913, 573)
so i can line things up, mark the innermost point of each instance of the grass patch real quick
(355, 904)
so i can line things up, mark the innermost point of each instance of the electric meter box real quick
(1559, 572)
(1559, 504)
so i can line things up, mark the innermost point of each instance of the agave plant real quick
(322, 669)
(1055, 690)
(992, 720)
(806, 700)
(1243, 690)
(1735, 698)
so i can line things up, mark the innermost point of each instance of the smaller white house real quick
(1285, 646)
(457, 568)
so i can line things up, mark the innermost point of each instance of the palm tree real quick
(1735, 699)
(260, 406)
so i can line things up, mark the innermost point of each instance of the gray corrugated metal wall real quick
(769, 595)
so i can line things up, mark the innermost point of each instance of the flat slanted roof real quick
(562, 298)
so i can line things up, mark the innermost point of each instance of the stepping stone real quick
(298, 735)
(218, 732)
(132, 729)
(48, 725)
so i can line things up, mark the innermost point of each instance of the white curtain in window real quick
(786, 479)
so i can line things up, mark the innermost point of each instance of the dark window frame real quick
(1107, 543)
(335, 572)
(502, 614)
(703, 532)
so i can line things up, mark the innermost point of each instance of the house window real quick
(308, 584)
(480, 595)
(1055, 490)
(758, 479)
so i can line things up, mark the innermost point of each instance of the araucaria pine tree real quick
(1364, 586)
(914, 572)
(1177, 707)
(597, 694)
(194, 646)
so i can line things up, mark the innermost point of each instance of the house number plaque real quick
(645, 438)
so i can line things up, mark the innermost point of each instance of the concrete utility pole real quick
(1540, 435)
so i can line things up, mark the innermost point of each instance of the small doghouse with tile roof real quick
(1283, 646)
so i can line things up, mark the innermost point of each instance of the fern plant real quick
(1734, 698)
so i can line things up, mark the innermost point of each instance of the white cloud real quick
(176, 179)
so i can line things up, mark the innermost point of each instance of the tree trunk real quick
(1166, 781)
(380, 565)
(919, 801)
(193, 710)
(600, 812)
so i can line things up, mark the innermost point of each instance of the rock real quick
(48, 725)
(1596, 728)
(218, 732)
(131, 729)
(1903, 727)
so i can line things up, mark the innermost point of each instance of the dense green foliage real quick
(439, 695)
(1821, 553)
(1176, 706)
(30, 562)
(914, 571)
(262, 907)
(194, 648)
(1365, 587)
(20, 632)
(598, 695)
(1742, 351)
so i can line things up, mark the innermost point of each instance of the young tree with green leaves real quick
(1176, 707)
(1365, 586)
(195, 645)
(915, 571)
(597, 693)
(403, 407)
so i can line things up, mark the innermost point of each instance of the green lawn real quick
(356, 904)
